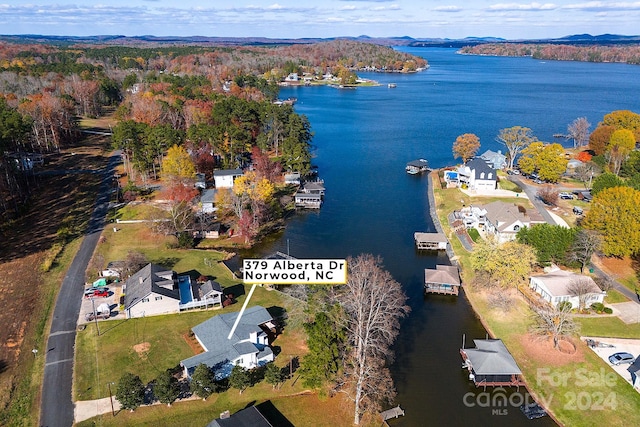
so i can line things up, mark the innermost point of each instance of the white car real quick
(566, 196)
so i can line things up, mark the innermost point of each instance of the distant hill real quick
(386, 41)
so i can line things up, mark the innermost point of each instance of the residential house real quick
(292, 77)
(292, 178)
(444, 279)
(155, 290)
(491, 364)
(248, 346)
(555, 287)
(477, 175)
(224, 178)
(504, 220)
(496, 160)
(264, 414)
(151, 291)
(207, 200)
(206, 228)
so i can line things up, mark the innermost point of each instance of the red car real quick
(97, 293)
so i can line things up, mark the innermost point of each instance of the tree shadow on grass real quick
(168, 262)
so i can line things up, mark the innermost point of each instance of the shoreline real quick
(433, 212)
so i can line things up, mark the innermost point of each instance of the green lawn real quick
(608, 327)
(614, 296)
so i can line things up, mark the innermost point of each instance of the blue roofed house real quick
(248, 346)
(477, 175)
(497, 160)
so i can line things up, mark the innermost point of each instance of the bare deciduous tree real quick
(586, 243)
(501, 300)
(581, 288)
(515, 139)
(586, 172)
(578, 130)
(549, 194)
(554, 323)
(373, 303)
(132, 263)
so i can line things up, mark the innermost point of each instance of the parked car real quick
(566, 196)
(620, 358)
(577, 210)
(90, 291)
(538, 181)
(97, 293)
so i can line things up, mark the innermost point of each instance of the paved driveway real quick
(620, 345)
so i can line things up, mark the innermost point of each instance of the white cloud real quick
(447, 9)
(603, 6)
(500, 7)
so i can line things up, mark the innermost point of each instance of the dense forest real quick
(629, 54)
(216, 101)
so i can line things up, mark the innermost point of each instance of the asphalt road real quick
(531, 191)
(56, 408)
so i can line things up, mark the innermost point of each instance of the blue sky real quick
(320, 18)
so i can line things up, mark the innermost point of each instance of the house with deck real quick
(207, 200)
(444, 279)
(504, 220)
(248, 346)
(313, 187)
(224, 178)
(477, 175)
(559, 285)
(491, 365)
(155, 290)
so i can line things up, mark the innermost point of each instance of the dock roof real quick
(443, 274)
(421, 237)
(491, 357)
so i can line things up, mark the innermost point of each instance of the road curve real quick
(56, 406)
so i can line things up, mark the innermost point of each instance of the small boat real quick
(533, 411)
(391, 85)
(415, 167)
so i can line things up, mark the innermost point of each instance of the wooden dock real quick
(392, 413)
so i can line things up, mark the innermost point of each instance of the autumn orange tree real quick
(599, 139)
(466, 146)
(615, 212)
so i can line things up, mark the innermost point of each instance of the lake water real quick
(363, 139)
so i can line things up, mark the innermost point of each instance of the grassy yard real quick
(576, 387)
(614, 296)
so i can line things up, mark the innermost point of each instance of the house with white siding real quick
(247, 347)
(224, 178)
(477, 175)
(555, 287)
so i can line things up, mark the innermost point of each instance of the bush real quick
(564, 306)
(608, 310)
(598, 307)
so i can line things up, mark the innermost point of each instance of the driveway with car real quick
(620, 345)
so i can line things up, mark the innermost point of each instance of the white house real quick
(504, 220)
(224, 178)
(247, 347)
(292, 77)
(477, 175)
(207, 200)
(555, 287)
(151, 291)
(154, 290)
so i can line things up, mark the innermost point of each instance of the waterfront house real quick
(504, 220)
(292, 178)
(206, 228)
(496, 160)
(444, 279)
(556, 286)
(224, 178)
(490, 364)
(430, 241)
(247, 347)
(477, 175)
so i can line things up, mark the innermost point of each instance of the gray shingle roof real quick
(443, 274)
(213, 335)
(224, 172)
(150, 278)
(491, 357)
